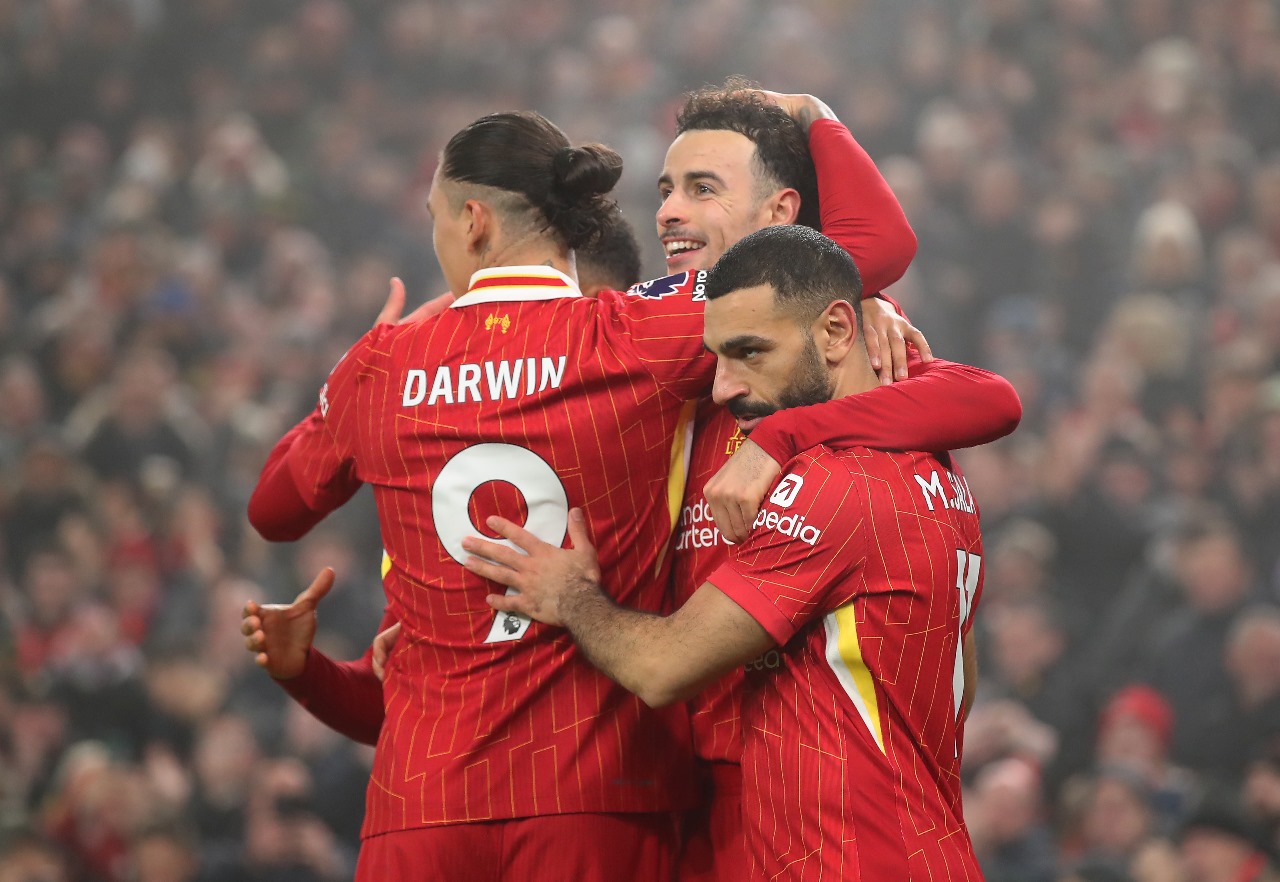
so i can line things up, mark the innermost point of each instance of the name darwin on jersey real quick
(486, 381)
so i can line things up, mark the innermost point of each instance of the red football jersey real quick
(942, 405)
(699, 550)
(865, 567)
(524, 398)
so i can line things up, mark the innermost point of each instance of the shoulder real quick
(691, 283)
(819, 483)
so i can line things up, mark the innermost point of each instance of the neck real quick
(854, 374)
(529, 251)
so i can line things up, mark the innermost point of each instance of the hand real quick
(382, 646)
(736, 491)
(544, 575)
(280, 636)
(887, 335)
(394, 306)
(804, 109)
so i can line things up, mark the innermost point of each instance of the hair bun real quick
(585, 171)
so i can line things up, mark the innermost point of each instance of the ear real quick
(836, 332)
(783, 207)
(478, 223)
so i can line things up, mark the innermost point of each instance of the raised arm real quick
(859, 211)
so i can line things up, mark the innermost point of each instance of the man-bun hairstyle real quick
(524, 153)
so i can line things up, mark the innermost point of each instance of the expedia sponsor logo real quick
(787, 491)
(770, 661)
(792, 526)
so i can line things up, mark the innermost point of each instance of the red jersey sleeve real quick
(311, 470)
(940, 406)
(659, 324)
(805, 543)
(345, 696)
(858, 208)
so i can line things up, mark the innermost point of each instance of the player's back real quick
(524, 399)
(858, 713)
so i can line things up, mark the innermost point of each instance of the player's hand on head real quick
(393, 310)
(804, 109)
(542, 573)
(382, 646)
(887, 335)
(280, 635)
(736, 491)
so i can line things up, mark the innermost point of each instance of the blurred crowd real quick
(201, 203)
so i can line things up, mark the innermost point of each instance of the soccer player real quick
(737, 150)
(729, 145)
(847, 606)
(347, 696)
(502, 750)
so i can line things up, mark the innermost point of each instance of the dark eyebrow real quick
(704, 175)
(745, 341)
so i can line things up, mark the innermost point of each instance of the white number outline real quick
(544, 496)
(968, 569)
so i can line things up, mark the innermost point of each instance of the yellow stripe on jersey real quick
(844, 655)
(678, 469)
(386, 563)
(678, 473)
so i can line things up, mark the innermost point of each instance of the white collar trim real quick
(557, 286)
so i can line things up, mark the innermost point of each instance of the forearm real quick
(634, 649)
(345, 696)
(859, 210)
(941, 406)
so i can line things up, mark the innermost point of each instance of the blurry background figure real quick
(1219, 844)
(1135, 732)
(28, 857)
(1004, 810)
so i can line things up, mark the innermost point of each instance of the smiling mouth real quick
(677, 247)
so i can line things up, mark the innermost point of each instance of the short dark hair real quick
(613, 260)
(782, 148)
(805, 269)
(524, 153)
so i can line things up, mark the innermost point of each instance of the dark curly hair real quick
(782, 148)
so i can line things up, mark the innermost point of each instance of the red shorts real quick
(585, 847)
(714, 848)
